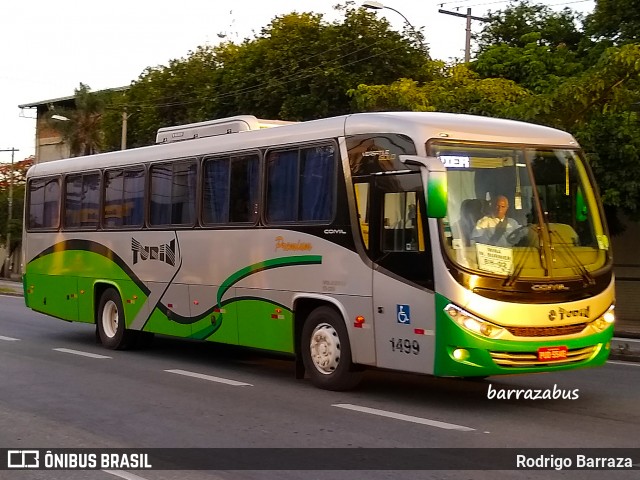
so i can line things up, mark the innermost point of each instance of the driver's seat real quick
(470, 213)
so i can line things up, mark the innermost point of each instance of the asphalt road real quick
(59, 389)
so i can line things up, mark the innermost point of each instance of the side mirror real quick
(434, 182)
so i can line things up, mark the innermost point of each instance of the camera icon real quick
(23, 459)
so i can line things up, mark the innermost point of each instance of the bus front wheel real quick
(326, 352)
(110, 320)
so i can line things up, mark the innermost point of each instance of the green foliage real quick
(514, 25)
(614, 140)
(456, 90)
(616, 20)
(179, 93)
(532, 45)
(608, 87)
(299, 67)
(535, 66)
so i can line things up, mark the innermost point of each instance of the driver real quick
(494, 229)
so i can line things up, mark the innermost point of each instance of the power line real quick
(301, 75)
(270, 72)
(458, 5)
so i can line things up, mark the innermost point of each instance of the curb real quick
(625, 357)
(625, 347)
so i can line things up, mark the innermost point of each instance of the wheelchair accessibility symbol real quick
(403, 314)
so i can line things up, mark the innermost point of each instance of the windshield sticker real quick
(383, 155)
(494, 259)
(603, 242)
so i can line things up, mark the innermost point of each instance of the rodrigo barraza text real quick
(543, 462)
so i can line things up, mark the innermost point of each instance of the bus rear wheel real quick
(326, 352)
(111, 322)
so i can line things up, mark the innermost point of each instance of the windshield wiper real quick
(517, 271)
(574, 261)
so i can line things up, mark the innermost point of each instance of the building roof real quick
(65, 99)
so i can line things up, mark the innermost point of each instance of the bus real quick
(344, 243)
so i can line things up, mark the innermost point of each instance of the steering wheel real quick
(516, 236)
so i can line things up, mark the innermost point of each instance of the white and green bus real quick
(346, 242)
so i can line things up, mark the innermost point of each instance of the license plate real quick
(550, 354)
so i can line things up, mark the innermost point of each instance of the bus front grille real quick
(546, 331)
(530, 359)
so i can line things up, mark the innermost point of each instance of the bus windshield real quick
(522, 212)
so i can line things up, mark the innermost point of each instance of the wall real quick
(626, 264)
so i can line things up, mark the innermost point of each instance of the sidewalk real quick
(625, 346)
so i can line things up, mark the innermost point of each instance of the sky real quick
(48, 47)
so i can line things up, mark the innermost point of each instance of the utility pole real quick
(123, 138)
(469, 17)
(10, 212)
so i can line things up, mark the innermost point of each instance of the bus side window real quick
(82, 199)
(301, 185)
(173, 187)
(123, 198)
(44, 204)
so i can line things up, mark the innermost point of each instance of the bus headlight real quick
(602, 323)
(472, 323)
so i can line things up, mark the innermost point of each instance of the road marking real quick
(632, 364)
(78, 352)
(9, 339)
(125, 475)
(210, 378)
(406, 418)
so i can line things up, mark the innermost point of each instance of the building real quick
(49, 143)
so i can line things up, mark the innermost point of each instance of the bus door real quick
(403, 298)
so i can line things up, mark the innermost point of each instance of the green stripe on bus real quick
(266, 265)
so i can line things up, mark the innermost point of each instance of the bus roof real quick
(421, 126)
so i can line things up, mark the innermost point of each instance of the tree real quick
(615, 20)
(299, 67)
(81, 127)
(13, 178)
(513, 25)
(532, 45)
(457, 90)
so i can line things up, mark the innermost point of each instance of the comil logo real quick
(549, 287)
(164, 253)
(23, 459)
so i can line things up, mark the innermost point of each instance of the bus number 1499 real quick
(404, 345)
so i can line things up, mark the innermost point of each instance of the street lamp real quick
(372, 5)
(61, 118)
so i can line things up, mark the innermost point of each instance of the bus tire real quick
(111, 322)
(326, 352)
